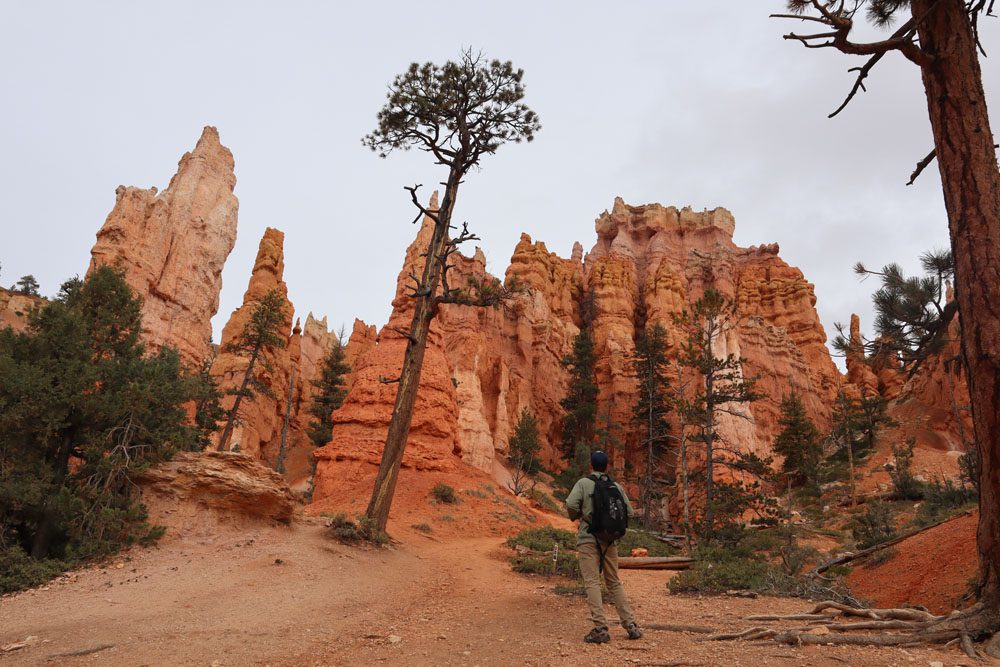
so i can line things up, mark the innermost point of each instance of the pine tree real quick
(799, 442)
(27, 285)
(78, 385)
(722, 388)
(261, 334)
(580, 402)
(651, 368)
(329, 396)
(459, 113)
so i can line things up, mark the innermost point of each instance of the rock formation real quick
(15, 308)
(262, 418)
(173, 244)
(226, 485)
(484, 366)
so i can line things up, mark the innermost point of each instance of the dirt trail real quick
(225, 600)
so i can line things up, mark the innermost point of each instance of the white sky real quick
(679, 102)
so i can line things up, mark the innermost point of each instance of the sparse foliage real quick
(27, 285)
(260, 335)
(458, 112)
(652, 367)
(523, 454)
(580, 402)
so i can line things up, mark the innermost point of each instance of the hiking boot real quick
(597, 636)
(633, 630)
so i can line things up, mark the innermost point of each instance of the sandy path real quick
(225, 602)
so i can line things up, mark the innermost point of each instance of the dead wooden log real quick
(847, 558)
(654, 563)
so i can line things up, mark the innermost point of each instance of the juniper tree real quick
(799, 441)
(330, 394)
(260, 335)
(458, 113)
(651, 367)
(941, 38)
(83, 408)
(722, 388)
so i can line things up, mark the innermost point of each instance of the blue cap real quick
(599, 460)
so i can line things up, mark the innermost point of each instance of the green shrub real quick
(565, 564)
(942, 499)
(422, 527)
(475, 493)
(569, 589)
(19, 571)
(542, 539)
(637, 539)
(874, 526)
(904, 485)
(444, 494)
(546, 502)
(718, 575)
(881, 556)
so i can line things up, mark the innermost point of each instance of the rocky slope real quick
(173, 244)
(15, 308)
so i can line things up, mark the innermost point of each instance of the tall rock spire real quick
(172, 246)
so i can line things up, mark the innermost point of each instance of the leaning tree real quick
(457, 112)
(941, 37)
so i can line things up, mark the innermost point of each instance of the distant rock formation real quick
(172, 246)
(15, 308)
(484, 366)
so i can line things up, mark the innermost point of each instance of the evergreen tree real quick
(722, 389)
(261, 334)
(523, 453)
(651, 368)
(27, 285)
(329, 396)
(799, 442)
(580, 402)
(208, 410)
(459, 113)
(78, 386)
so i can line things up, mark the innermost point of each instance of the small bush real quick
(447, 518)
(18, 570)
(904, 485)
(422, 527)
(349, 531)
(637, 539)
(874, 526)
(475, 493)
(942, 499)
(718, 574)
(569, 589)
(444, 494)
(546, 502)
(566, 564)
(542, 539)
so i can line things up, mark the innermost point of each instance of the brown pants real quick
(589, 566)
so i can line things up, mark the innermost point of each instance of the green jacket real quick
(580, 505)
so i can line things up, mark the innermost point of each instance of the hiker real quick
(600, 556)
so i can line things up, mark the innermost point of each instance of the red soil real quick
(932, 568)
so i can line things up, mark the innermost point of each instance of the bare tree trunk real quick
(413, 361)
(235, 410)
(967, 162)
(280, 464)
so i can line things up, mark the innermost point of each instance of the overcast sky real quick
(681, 102)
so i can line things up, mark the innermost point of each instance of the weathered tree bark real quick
(967, 162)
(413, 361)
(235, 411)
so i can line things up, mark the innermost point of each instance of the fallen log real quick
(654, 562)
(847, 558)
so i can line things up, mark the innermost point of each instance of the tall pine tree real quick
(651, 368)
(329, 396)
(799, 442)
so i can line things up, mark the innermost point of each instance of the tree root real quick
(919, 627)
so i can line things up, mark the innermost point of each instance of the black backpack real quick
(610, 519)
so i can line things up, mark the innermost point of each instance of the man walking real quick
(597, 558)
